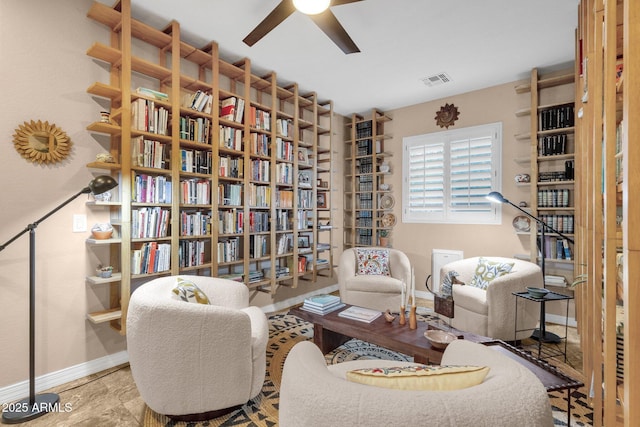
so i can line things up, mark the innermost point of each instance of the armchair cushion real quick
(487, 270)
(189, 292)
(373, 262)
(424, 377)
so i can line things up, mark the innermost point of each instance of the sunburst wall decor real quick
(447, 115)
(40, 142)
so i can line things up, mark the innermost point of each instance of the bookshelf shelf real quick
(219, 171)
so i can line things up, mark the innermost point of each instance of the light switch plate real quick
(79, 223)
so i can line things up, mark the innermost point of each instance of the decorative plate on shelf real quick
(388, 220)
(521, 223)
(387, 201)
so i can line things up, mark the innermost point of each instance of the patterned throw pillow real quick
(448, 282)
(488, 270)
(373, 261)
(425, 377)
(189, 292)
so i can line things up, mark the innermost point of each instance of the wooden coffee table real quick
(331, 330)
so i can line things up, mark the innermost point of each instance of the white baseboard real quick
(281, 305)
(560, 320)
(63, 376)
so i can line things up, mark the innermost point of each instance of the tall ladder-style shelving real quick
(211, 193)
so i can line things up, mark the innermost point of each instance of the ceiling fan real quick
(318, 11)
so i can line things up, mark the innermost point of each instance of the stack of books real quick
(551, 280)
(322, 304)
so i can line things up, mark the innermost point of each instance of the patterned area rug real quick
(286, 330)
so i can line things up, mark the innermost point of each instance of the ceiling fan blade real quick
(339, 2)
(277, 15)
(328, 23)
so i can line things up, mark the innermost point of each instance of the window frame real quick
(448, 215)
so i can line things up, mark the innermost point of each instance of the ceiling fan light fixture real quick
(311, 7)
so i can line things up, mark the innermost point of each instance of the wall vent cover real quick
(436, 79)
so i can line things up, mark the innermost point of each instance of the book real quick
(324, 311)
(161, 96)
(228, 108)
(360, 314)
(322, 301)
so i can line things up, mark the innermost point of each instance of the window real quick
(446, 176)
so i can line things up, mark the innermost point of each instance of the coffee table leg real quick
(327, 340)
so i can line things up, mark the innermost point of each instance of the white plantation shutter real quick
(448, 174)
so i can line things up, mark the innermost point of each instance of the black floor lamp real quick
(34, 406)
(542, 333)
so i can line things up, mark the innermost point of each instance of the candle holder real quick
(413, 321)
(403, 317)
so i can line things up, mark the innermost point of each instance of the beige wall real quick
(494, 104)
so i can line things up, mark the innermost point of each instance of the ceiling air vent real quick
(436, 79)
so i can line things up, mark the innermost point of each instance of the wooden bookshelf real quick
(365, 212)
(607, 206)
(207, 190)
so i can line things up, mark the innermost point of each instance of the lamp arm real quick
(541, 222)
(34, 224)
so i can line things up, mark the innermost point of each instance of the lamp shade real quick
(496, 197)
(101, 184)
(311, 7)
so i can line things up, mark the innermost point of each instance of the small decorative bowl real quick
(537, 292)
(101, 235)
(439, 339)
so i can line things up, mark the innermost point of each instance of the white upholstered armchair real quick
(313, 394)
(194, 361)
(377, 292)
(491, 312)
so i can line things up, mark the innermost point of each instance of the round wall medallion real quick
(40, 142)
(447, 115)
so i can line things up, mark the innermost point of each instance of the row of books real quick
(552, 145)
(196, 130)
(150, 188)
(151, 257)
(148, 153)
(149, 118)
(258, 246)
(149, 223)
(259, 196)
(260, 144)
(231, 221)
(556, 117)
(553, 198)
(284, 127)
(259, 222)
(232, 108)
(284, 173)
(284, 150)
(556, 248)
(260, 170)
(191, 253)
(195, 191)
(229, 194)
(195, 161)
(199, 101)
(229, 250)
(230, 138)
(284, 199)
(562, 223)
(259, 119)
(305, 199)
(195, 223)
(231, 167)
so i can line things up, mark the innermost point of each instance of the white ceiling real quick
(478, 43)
